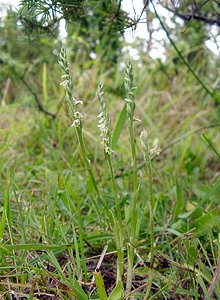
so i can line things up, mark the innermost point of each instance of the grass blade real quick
(5, 211)
(211, 145)
(117, 293)
(179, 202)
(118, 128)
(100, 286)
(203, 286)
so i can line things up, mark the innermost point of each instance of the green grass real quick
(63, 232)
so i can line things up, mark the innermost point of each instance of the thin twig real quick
(100, 262)
(39, 105)
(189, 17)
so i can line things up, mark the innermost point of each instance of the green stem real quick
(150, 192)
(118, 225)
(133, 211)
(81, 247)
(134, 163)
(87, 164)
(115, 189)
(133, 216)
(150, 280)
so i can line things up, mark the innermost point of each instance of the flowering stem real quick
(150, 192)
(133, 211)
(115, 189)
(130, 108)
(147, 156)
(118, 225)
(87, 164)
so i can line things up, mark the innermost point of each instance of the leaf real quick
(51, 247)
(211, 145)
(117, 293)
(119, 126)
(203, 286)
(179, 202)
(5, 211)
(75, 287)
(197, 212)
(210, 193)
(187, 292)
(100, 286)
(99, 237)
(206, 222)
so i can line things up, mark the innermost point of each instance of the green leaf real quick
(203, 286)
(195, 213)
(5, 249)
(210, 193)
(100, 286)
(192, 252)
(206, 222)
(42, 247)
(117, 293)
(75, 287)
(179, 202)
(211, 145)
(187, 292)
(99, 237)
(5, 212)
(119, 126)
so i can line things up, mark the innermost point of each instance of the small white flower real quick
(155, 150)
(102, 125)
(100, 116)
(78, 102)
(104, 131)
(76, 123)
(105, 141)
(108, 150)
(136, 119)
(64, 84)
(144, 134)
(65, 76)
(143, 138)
(102, 121)
(78, 115)
(128, 100)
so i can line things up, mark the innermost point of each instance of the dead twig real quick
(39, 104)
